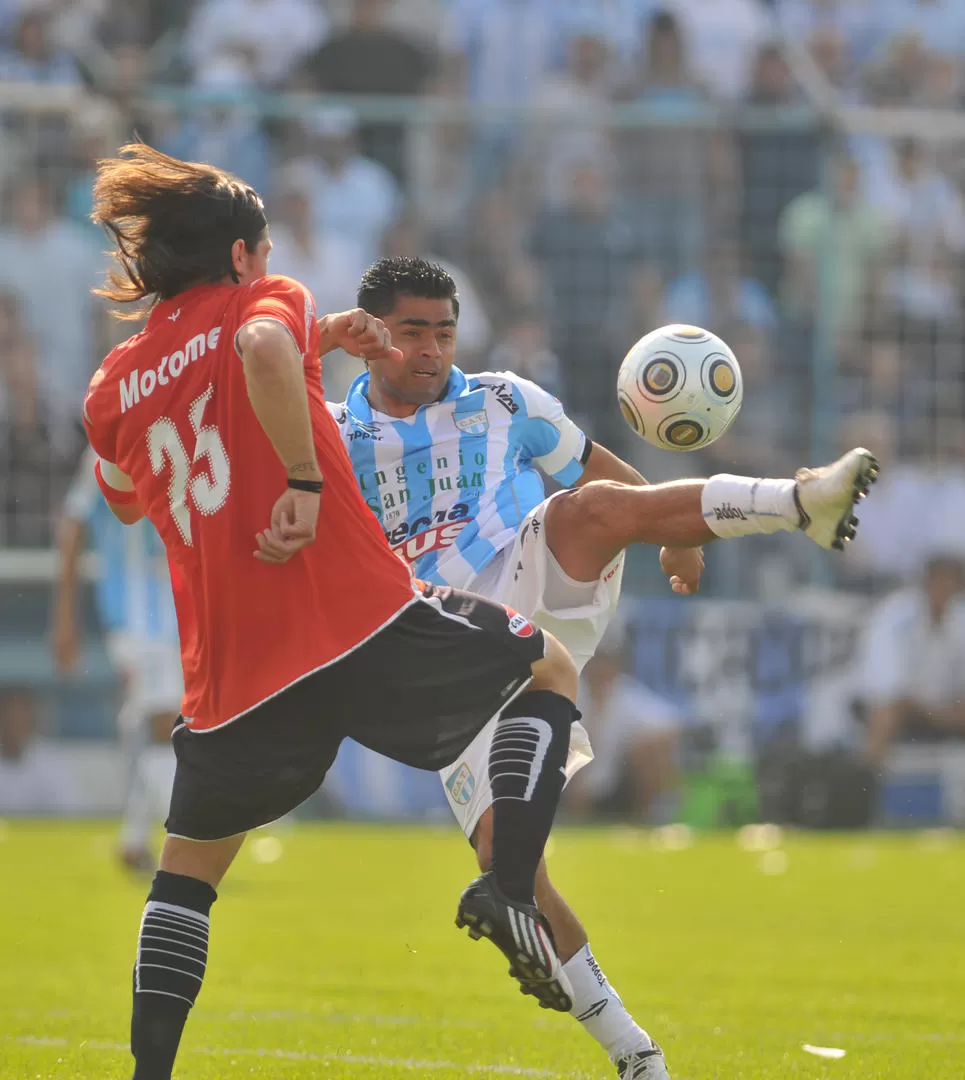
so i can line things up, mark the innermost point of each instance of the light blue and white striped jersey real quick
(453, 483)
(133, 589)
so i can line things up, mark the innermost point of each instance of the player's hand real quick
(65, 645)
(293, 520)
(683, 566)
(359, 334)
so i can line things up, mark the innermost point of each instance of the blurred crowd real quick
(586, 169)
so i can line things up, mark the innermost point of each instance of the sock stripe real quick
(177, 971)
(176, 910)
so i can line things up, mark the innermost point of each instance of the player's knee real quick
(482, 840)
(556, 671)
(587, 509)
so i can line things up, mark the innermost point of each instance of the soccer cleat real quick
(523, 936)
(825, 497)
(643, 1065)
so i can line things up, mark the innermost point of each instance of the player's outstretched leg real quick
(596, 1005)
(172, 949)
(588, 527)
(526, 759)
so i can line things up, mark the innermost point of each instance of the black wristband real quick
(314, 486)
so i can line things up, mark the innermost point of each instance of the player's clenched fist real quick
(358, 333)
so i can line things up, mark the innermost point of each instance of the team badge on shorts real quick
(461, 785)
(519, 624)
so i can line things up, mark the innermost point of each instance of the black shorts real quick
(419, 692)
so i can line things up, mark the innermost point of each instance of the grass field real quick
(334, 955)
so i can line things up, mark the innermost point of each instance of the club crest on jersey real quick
(473, 424)
(461, 785)
(519, 624)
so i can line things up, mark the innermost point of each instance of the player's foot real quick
(138, 860)
(523, 936)
(643, 1065)
(825, 497)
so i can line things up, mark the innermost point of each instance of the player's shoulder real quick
(519, 396)
(276, 285)
(899, 610)
(103, 398)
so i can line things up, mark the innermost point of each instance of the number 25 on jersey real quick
(207, 490)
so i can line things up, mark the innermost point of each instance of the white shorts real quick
(151, 671)
(529, 579)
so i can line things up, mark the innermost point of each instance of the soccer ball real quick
(680, 387)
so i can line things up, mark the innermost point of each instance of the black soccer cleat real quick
(523, 936)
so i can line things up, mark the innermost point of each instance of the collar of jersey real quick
(358, 406)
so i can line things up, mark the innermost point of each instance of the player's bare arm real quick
(275, 378)
(603, 464)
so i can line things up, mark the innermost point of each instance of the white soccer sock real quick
(742, 506)
(149, 795)
(598, 1008)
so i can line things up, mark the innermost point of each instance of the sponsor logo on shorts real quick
(476, 423)
(461, 785)
(519, 624)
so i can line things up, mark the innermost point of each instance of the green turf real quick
(340, 958)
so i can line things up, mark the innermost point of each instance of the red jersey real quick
(169, 407)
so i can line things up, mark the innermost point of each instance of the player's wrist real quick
(305, 470)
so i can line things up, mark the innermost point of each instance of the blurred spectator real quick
(32, 55)
(776, 165)
(33, 777)
(51, 264)
(918, 507)
(636, 741)
(937, 25)
(440, 175)
(355, 197)
(668, 172)
(858, 23)
(910, 678)
(523, 347)
(19, 394)
(25, 458)
(328, 265)
(941, 85)
(371, 57)
(487, 41)
(226, 135)
(838, 234)
(406, 238)
(771, 416)
(274, 34)
(928, 215)
(718, 294)
(496, 256)
(571, 103)
(96, 134)
(829, 51)
(722, 38)
(584, 250)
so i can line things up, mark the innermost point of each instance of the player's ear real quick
(239, 257)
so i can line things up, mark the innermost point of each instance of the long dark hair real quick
(172, 222)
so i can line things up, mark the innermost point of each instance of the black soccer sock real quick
(172, 951)
(526, 759)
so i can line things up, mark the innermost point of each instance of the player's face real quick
(425, 333)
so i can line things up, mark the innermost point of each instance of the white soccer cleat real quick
(825, 497)
(643, 1065)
